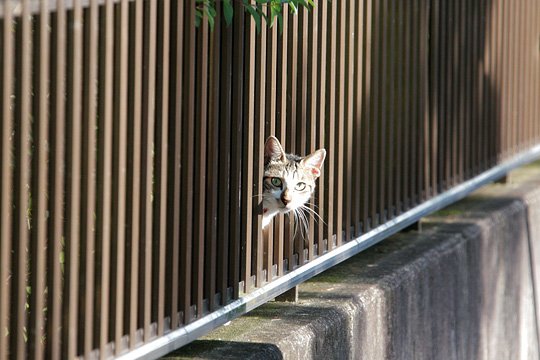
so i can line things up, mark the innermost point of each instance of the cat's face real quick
(289, 180)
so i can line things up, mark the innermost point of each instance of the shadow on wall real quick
(220, 349)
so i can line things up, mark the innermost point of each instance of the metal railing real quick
(131, 149)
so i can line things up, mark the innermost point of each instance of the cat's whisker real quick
(295, 223)
(304, 222)
(312, 204)
(313, 213)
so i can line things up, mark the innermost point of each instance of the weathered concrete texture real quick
(463, 288)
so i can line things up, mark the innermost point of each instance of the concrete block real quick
(463, 288)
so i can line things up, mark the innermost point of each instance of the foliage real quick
(269, 10)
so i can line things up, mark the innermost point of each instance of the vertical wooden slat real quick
(313, 54)
(492, 106)
(177, 67)
(162, 161)
(40, 189)
(433, 89)
(281, 129)
(358, 119)
(536, 75)
(415, 94)
(23, 114)
(463, 90)
(258, 149)
(450, 95)
(289, 143)
(424, 153)
(389, 203)
(148, 116)
(321, 115)
(340, 94)
(88, 196)
(271, 241)
(399, 104)
(188, 164)
(212, 180)
(236, 153)
(505, 131)
(270, 113)
(73, 200)
(441, 96)
(6, 221)
(58, 118)
(348, 163)
(475, 74)
(408, 118)
(366, 112)
(105, 170)
(225, 177)
(528, 72)
(301, 119)
(374, 119)
(201, 127)
(249, 82)
(381, 111)
(330, 130)
(135, 166)
(120, 169)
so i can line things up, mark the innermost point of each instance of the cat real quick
(288, 182)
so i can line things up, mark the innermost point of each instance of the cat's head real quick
(289, 180)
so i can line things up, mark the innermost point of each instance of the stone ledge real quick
(463, 288)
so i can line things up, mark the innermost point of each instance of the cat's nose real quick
(285, 199)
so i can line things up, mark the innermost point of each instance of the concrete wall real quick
(462, 288)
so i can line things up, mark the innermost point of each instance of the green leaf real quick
(255, 15)
(280, 22)
(228, 11)
(198, 17)
(294, 8)
(275, 10)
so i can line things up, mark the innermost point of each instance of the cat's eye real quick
(300, 186)
(276, 182)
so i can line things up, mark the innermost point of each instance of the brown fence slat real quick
(120, 171)
(161, 167)
(211, 238)
(187, 166)
(330, 130)
(177, 29)
(366, 113)
(321, 115)
(201, 133)
(281, 130)
(73, 200)
(249, 108)
(258, 151)
(39, 186)
(56, 234)
(105, 174)
(225, 176)
(89, 170)
(357, 118)
(236, 151)
(340, 129)
(135, 140)
(7, 193)
(22, 229)
(148, 120)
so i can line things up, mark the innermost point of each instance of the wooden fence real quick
(132, 147)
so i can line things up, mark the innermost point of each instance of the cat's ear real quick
(314, 161)
(273, 150)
